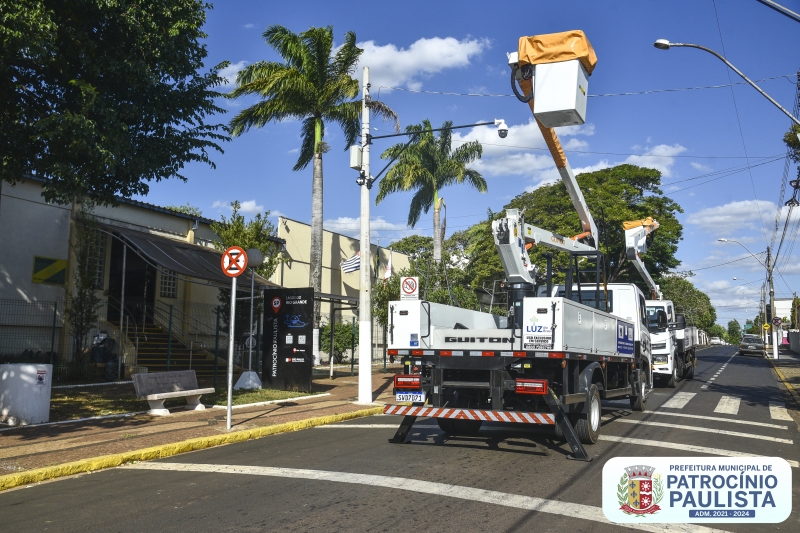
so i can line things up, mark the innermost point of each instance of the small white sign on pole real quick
(409, 288)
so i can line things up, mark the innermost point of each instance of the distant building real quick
(339, 289)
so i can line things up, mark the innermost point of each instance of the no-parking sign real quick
(409, 288)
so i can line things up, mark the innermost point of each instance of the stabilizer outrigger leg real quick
(578, 451)
(405, 427)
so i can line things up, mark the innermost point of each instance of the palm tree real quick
(426, 166)
(315, 86)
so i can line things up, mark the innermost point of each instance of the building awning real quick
(182, 258)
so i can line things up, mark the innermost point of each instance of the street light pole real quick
(664, 44)
(761, 303)
(769, 267)
(365, 282)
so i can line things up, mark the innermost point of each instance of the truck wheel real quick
(639, 402)
(690, 372)
(673, 379)
(588, 425)
(459, 427)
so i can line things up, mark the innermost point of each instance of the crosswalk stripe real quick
(703, 430)
(684, 447)
(728, 405)
(718, 419)
(777, 410)
(679, 400)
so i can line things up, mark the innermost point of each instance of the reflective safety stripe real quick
(471, 414)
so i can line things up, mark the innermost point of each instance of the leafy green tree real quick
(427, 165)
(258, 232)
(614, 195)
(314, 84)
(734, 332)
(717, 331)
(186, 209)
(793, 318)
(689, 301)
(84, 303)
(100, 98)
(434, 281)
(345, 336)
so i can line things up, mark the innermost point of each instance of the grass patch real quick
(71, 404)
(244, 396)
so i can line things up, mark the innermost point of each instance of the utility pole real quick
(774, 329)
(365, 283)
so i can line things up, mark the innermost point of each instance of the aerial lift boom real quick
(636, 232)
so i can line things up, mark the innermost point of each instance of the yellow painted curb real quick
(168, 450)
(786, 383)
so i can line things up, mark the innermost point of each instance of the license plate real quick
(751, 347)
(414, 397)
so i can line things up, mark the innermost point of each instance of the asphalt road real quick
(347, 477)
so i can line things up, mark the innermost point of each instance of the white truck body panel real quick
(578, 328)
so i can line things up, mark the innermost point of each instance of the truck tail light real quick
(531, 386)
(407, 381)
(392, 352)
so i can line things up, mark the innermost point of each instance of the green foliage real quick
(83, 302)
(614, 195)
(717, 331)
(793, 143)
(345, 336)
(427, 165)
(793, 318)
(253, 233)
(313, 85)
(432, 278)
(100, 98)
(689, 301)
(734, 335)
(186, 209)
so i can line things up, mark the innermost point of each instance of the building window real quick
(97, 258)
(169, 284)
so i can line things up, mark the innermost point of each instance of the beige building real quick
(159, 262)
(338, 288)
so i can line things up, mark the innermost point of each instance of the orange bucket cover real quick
(557, 47)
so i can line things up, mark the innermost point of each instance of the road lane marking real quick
(711, 381)
(684, 447)
(728, 405)
(679, 400)
(471, 494)
(718, 419)
(703, 430)
(777, 411)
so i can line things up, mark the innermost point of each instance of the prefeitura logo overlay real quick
(697, 489)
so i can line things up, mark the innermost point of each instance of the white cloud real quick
(660, 157)
(733, 215)
(698, 166)
(294, 150)
(248, 207)
(390, 66)
(379, 228)
(249, 26)
(230, 72)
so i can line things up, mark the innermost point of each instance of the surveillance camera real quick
(502, 129)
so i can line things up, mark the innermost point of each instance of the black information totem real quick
(288, 338)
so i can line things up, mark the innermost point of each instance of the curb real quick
(789, 386)
(168, 450)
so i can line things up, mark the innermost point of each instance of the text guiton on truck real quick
(554, 356)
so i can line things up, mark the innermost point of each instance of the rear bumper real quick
(483, 415)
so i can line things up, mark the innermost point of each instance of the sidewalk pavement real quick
(23, 449)
(788, 369)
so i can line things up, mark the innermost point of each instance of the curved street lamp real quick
(664, 44)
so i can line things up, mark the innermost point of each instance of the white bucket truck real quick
(555, 356)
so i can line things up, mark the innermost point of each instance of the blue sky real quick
(461, 47)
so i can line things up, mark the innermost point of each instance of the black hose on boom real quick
(519, 96)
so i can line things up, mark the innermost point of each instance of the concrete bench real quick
(157, 387)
